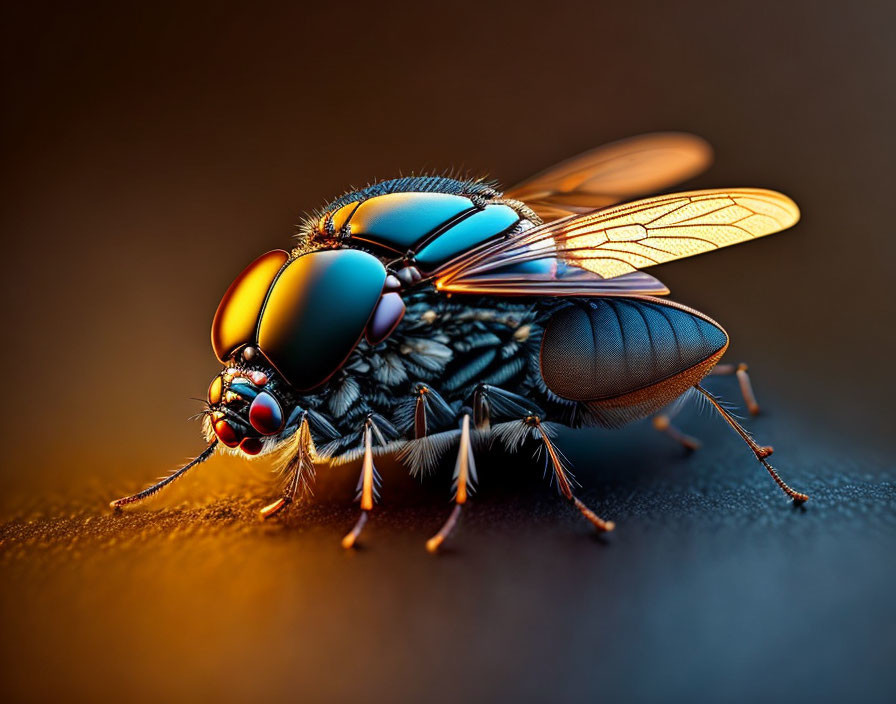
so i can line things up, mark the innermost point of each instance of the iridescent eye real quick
(265, 414)
(214, 391)
(227, 433)
(252, 446)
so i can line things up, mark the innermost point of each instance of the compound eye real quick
(265, 414)
(252, 446)
(214, 391)
(227, 434)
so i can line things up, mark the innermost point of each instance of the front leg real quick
(299, 469)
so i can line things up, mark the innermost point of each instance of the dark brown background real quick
(148, 154)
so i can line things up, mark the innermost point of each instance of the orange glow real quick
(273, 508)
(367, 474)
(636, 235)
(214, 390)
(237, 315)
(614, 172)
(463, 461)
(629, 237)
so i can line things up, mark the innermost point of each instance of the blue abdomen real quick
(606, 349)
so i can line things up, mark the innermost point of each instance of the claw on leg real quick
(367, 492)
(564, 483)
(464, 484)
(761, 451)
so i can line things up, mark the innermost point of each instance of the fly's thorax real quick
(250, 406)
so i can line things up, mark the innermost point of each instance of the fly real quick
(421, 315)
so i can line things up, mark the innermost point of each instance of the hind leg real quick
(743, 379)
(663, 423)
(761, 452)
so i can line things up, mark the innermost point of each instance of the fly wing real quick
(612, 173)
(620, 240)
(566, 281)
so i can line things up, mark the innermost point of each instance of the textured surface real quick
(712, 582)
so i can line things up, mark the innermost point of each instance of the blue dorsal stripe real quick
(479, 227)
(399, 220)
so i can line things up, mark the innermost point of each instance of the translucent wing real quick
(618, 241)
(613, 173)
(568, 281)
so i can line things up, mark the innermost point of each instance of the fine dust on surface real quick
(711, 575)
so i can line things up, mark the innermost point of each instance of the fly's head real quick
(249, 406)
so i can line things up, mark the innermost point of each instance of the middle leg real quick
(511, 405)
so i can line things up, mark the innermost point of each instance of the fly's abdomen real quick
(627, 358)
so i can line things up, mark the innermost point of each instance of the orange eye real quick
(214, 391)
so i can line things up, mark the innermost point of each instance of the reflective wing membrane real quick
(616, 242)
(614, 172)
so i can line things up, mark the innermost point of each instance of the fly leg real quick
(490, 402)
(430, 411)
(663, 423)
(299, 470)
(565, 479)
(761, 452)
(743, 379)
(368, 486)
(464, 484)
(167, 481)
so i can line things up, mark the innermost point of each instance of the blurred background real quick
(150, 153)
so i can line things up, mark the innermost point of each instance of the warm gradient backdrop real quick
(149, 153)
